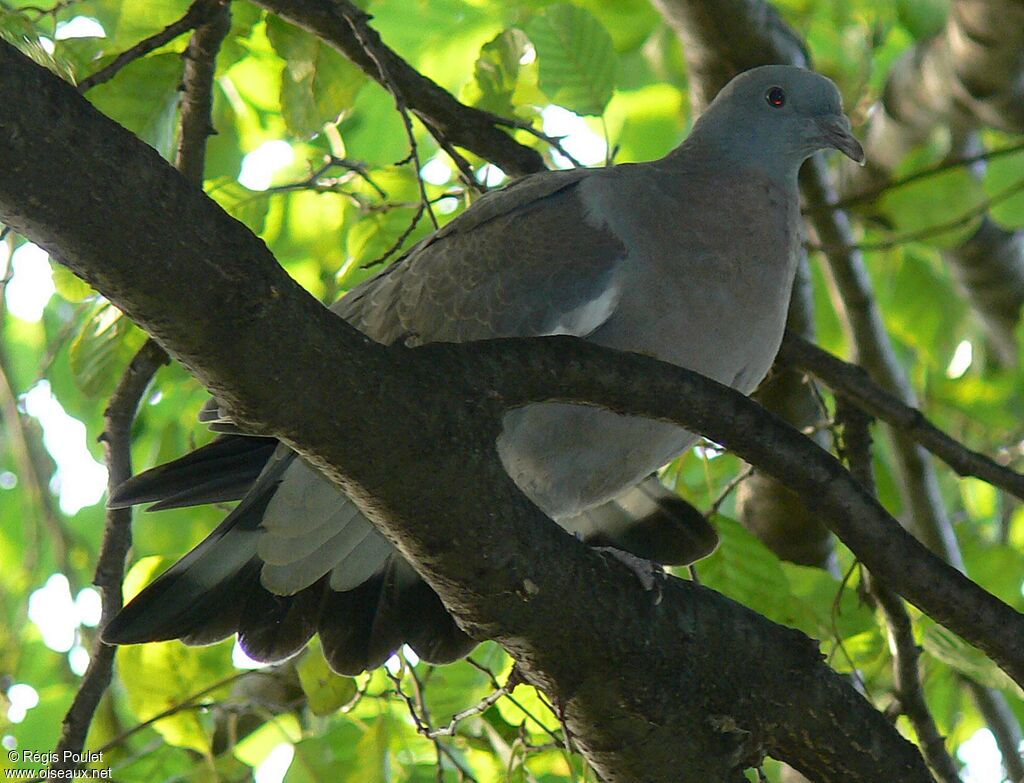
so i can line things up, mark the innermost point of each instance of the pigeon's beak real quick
(835, 129)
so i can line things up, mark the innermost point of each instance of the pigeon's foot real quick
(648, 573)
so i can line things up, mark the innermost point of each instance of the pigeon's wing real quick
(527, 260)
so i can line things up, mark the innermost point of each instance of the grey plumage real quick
(689, 258)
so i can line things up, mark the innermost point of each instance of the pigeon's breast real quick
(703, 294)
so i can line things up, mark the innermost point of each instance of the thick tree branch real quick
(450, 121)
(210, 291)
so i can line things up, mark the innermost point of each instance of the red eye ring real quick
(776, 97)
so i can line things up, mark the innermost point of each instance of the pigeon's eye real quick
(776, 97)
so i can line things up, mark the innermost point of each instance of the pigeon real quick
(689, 258)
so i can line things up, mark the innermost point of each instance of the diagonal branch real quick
(905, 651)
(853, 382)
(451, 122)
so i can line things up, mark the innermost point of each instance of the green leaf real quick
(17, 29)
(629, 22)
(128, 23)
(249, 206)
(1006, 175)
(528, 708)
(920, 304)
(161, 676)
(325, 691)
(326, 758)
(70, 286)
(645, 124)
(933, 202)
(922, 18)
(254, 749)
(143, 97)
(317, 82)
(949, 648)
(576, 56)
(496, 72)
(102, 349)
(745, 569)
(373, 751)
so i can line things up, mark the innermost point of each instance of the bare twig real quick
(198, 13)
(421, 719)
(193, 702)
(117, 537)
(555, 142)
(867, 196)
(736, 480)
(397, 244)
(854, 382)
(371, 44)
(315, 179)
(938, 229)
(197, 84)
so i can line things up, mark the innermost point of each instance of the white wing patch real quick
(586, 318)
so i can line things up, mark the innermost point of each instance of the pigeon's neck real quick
(738, 149)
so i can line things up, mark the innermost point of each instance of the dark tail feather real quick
(221, 612)
(360, 629)
(654, 523)
(274, 627)
(200, 597)
(222, 470)
(428, 628)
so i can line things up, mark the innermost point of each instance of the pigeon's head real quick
(777, 116)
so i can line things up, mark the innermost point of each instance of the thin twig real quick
(422, 723)
(198, 14)
(117, 537)
(553, 141)
(867, 196)
(736, 480)
(197, 85)
(962, 220)
(853, 382)
(905, 652)
(315, 179)
(356, 19)
(397, 244)
(190, 703)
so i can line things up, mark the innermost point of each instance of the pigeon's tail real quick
(648, 521)
(275, 578)
(218, 472)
